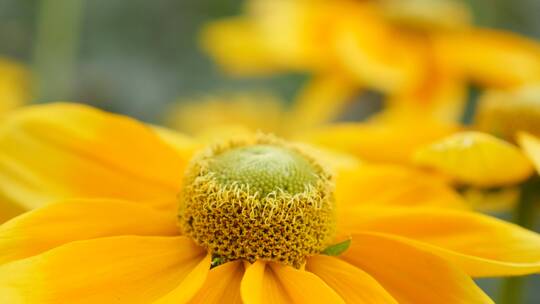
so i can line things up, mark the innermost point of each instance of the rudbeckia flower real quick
(422, 52)
(254, 220)
(499, 149)
(14, 85)
(483, 159)
(321, 101)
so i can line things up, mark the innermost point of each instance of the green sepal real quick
(337, 249)
(216, 261)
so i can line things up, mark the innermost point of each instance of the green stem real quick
(56, 47)
(513, 288)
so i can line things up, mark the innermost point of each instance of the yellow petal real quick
(222, 286)
(441, 96)
(410, 274)
(376, 185)
(190, 285)
(531, 147)
(56, 224)
(8, 210)
(476, 158)
(238, 47)
(243, 110)
(68, 150)
(383, 142)
(298, 33)
(14, 85)
(274, 283)
(479, 244)
(493, 58)
(505, 113)
(370, 51)
(322, 100)
(129, 269)
(351, 283)
(428, 15)
(183, 144)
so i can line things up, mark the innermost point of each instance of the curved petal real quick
(438, 98)
(531, 147)
(14, 85)
(183, 144)
(9, 210)
(479, 244)
(492, 57)
(410, 274)
(56, 224)
(351, 283)
(68, 150)
(377, 185)
(380, 142)
(508, 112)
(428, 15)
(274, 283)
(129, 269)
(216, 117)
(363, 43)
(238, 47)
(222, 286)
(322, 100)
(190, 285)
(476, 158)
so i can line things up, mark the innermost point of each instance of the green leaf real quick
(337, 249)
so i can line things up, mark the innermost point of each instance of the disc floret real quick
(260, 198)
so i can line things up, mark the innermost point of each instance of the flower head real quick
(120, 240)
(278, 202)
(416, 52)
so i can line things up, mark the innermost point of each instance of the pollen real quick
(506, 113)
(258, 198)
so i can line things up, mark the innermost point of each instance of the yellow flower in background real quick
(420, 52)
(113, 232)
(319, 102)
(14, 85)
(501, 148)
(232, 114)
(482, 159)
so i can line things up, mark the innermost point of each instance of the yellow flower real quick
(471, 155)
(322, 100)
(422, 52)
(120, 242)
(14, 85)
(484, 160)
(228, 114)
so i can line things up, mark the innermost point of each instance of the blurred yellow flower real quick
(112, 231)
(423, 52)
(14, 85)
(228, 114)
(514, 116)
(471, 155)
(321, 101)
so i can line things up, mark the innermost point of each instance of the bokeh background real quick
(137, 57)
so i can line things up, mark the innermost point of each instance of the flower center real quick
(258, 199)
(505, 114)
